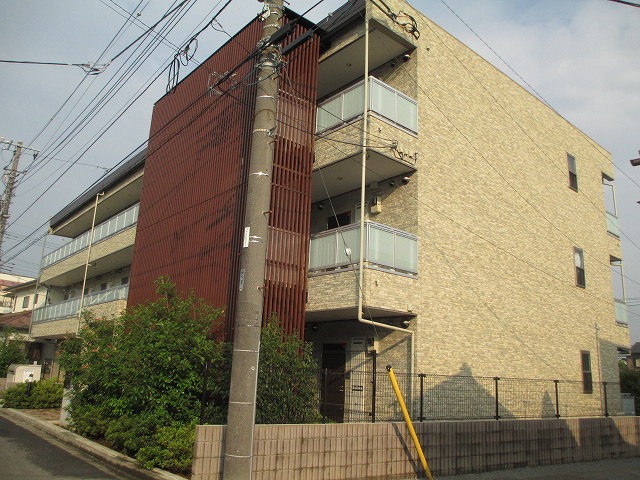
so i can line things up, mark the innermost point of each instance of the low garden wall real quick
(385, 450)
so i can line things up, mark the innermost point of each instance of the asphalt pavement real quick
(27, 456)
(88, 460)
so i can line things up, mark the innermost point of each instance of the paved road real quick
(26, 456)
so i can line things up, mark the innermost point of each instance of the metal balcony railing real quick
(621, 312)
(385, 247)
(107, 228)
(613, 225)
(383, 100)
(69, 308)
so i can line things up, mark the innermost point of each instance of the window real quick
(339, 220)
(124, 280)
(103, 286)
(578, 257)
(573, 172)
(587, 378)
(25, 302)
(35, 300)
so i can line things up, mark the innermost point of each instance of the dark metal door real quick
(333, 376)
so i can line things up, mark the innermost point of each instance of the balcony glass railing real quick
(385, 247)
(613, 225)
(383, 100)
(115, 224)
(70, 308)
(621, 312)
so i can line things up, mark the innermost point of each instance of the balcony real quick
(392, 151)
(386, 248)
(384, 100)
(70, 308)
(613, 225)
(391, 262)
(621, 312)
(110, 227)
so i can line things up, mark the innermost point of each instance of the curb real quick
(100, 452)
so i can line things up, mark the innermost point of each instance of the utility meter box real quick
(19, 373)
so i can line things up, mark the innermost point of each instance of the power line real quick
(88, 68)
(631, 4)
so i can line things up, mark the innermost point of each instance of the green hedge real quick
(43, 394)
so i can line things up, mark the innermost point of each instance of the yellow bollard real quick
(407, 419)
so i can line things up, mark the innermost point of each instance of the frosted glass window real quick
(329, 114)
(322, 252)
(348, 246)
(407, 113)
(353, 103)
(406, 254)
(380, 246)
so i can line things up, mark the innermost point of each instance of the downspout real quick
(86, 265)
(365, 140)
(44, 244)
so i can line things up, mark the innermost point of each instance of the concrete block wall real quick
(385, 450)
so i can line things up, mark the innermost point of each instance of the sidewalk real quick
(44, 423)
(622, 468)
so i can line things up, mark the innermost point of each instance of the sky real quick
(580, 56)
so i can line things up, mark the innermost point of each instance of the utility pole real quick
(238, 451)
(8, 191)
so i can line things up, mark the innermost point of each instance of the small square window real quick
(124, 280)
(578, 256)
(103, 286)
(573, 172)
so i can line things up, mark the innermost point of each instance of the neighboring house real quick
(491, 243)
(633, 359)
(24, 298)
(8, 280)
(90, 272)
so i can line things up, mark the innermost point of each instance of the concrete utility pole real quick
(8, 191)
(238, 451)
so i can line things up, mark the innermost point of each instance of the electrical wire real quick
(88, 68)
(90, 115)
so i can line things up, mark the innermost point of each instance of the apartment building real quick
(91, 271)
(427, 212)
(490, 233)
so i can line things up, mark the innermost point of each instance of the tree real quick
(138, 379)
(142, 371)
(630, 382)
(287, 378)
(11, 351)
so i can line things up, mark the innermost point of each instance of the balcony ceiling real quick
(345, 176)
(115, 201)
(109, 263)
(351, 314)
(347, 64)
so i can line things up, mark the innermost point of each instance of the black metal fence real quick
(367, 396)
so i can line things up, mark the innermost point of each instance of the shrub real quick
(43, 394)
(287, 379)
(140, 372)
(171, 448)
(11, 351)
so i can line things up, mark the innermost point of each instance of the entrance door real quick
(333, 376)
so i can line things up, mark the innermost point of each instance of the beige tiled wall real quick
(385, 450)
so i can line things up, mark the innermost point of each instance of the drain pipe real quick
(365, 139)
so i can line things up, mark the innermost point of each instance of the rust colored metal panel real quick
(192, 201)
(193, 195)
(287, 256)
